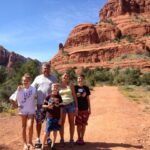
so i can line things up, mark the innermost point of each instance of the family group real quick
(47, 100)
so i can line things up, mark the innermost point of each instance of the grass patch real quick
(139, 94)
(7, 110)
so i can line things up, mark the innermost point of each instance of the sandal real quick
(25, 147)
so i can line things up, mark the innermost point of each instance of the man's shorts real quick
(40, 116)
(69, 108)
(82, 118)
(52, 125)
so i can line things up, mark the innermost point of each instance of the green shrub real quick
(145, 79)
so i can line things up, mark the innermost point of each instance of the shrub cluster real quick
(117, 76)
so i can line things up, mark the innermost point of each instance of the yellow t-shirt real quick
(66, 95)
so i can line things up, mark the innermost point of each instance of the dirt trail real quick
(115, 124)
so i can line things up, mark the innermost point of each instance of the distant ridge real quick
(8, 59)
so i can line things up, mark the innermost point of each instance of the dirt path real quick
(115, 124)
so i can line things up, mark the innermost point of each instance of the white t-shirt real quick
(25, 99)
(43, 85)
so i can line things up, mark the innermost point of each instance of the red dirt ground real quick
(115, 124)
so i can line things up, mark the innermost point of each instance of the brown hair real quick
(46, 65)
(81, 75)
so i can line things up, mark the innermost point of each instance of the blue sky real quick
(34, 28)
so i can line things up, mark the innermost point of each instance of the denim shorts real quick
(69, 108)
(52, 125)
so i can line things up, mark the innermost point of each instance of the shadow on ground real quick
(4, 147)
(98, 146)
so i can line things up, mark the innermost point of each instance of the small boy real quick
(52, 105)
(84, 108)
(25, 97)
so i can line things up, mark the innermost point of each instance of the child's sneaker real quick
(78, 141)
(82, 142)
(62, 143)
(53, 147)
(49, 141)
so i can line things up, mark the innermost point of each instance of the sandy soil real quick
(115, 124)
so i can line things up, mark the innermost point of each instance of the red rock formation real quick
(81, 35)
(120, 7)
(123, 34)
(8, 59)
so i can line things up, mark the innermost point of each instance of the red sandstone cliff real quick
(120, 38)
(8, 59)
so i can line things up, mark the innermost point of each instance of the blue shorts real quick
(69, 108)
(52, 125)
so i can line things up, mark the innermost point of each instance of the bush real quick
(145, 79)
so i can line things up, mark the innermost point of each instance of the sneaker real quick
(78, 141)
(82, 142)
(62, 143)
(53, 147)
(49, 141)
(71, 143)
(38, 144)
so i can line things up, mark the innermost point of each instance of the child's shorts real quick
(52, 125)
(69, 108)
(82, 118)
(40, 116)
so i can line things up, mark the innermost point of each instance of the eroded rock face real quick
(8, 59)
(120, 7)
(82, 35)
(4, 56)
(87, 34)
(123, 32)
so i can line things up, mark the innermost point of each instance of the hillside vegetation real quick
(11, 78)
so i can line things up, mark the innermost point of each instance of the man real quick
(43, 84)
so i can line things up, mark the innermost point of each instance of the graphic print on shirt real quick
(80, 92)
(27, 95)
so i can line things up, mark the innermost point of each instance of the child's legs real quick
(54, 137)
(62, 125)
(83, 131)
(30, 127)
(81, 122)
(45, 136)
(79, 131)
(85, 117)
(24, 125)
(48, 129)
(71, 116)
